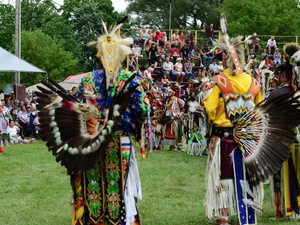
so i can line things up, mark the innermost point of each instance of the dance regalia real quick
(106, 193)
(285, 183)
(221, 173)
(173, 131)
(93, 135)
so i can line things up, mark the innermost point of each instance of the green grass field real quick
(35, 190)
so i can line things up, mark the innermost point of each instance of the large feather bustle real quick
(64, 126)
(121, 48)
(264, 135)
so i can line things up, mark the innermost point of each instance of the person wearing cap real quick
(223, 194)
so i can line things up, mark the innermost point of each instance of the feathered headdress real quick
(233, 49)
(112, 51)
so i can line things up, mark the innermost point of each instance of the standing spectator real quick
(271, 45)
(256, 46)
(277, 57)
(4, 121)
(210, 34)
(24, 119)
(168, 67)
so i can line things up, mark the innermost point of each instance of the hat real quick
(178, 59)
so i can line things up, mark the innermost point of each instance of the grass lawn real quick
(35, 190)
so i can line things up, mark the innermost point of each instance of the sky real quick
(119, 5)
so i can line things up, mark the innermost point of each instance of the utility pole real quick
(18, 39)
(170, 19)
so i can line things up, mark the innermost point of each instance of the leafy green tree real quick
(86, 24)
(44, 52)
(7, 23)
(262, 17)
(185, 14)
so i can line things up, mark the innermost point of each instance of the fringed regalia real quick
(285, 183)
(225, 168)
(93, 135)
(107, 194)
(173, 131)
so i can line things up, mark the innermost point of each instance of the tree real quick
(185, 14)
(86, 24)
(44, 52)
(7, 22)
(279, 18)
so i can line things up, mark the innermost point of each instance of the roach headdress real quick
(112, 51)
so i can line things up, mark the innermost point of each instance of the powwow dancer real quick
(285, 183)
(249, 142)
(95, 140)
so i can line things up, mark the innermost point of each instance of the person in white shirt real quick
(214, 67)
(271, 45)
(14, 134)
(168, 67)
(136, 54)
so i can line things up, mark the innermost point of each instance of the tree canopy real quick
(55, 37)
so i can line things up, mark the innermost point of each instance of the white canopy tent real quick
(10, 62)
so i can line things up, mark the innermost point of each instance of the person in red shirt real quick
(158, 37)
(210, 34)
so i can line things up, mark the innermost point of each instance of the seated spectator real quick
(207, 55)
(264, 54)
(188, 38)
(165, 81)
(181, 39)
(168, 67)
(219, 54)
(152, 54)
(161, 52)
(251, 55)
(214, 67)
(196, 56)
(136, 54)
(277, 57)
(220, 66)
(168, 49)
(143, 36)
(256, 46)
(158, 71)
(271, 45)
(175, 41)
(188, 68)
(178, 74)
(184, 52)
(14, 134)
(158, 37)
(175, 53)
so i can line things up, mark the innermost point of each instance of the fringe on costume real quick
(196, 149)
(220, 194)
(133, 188)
